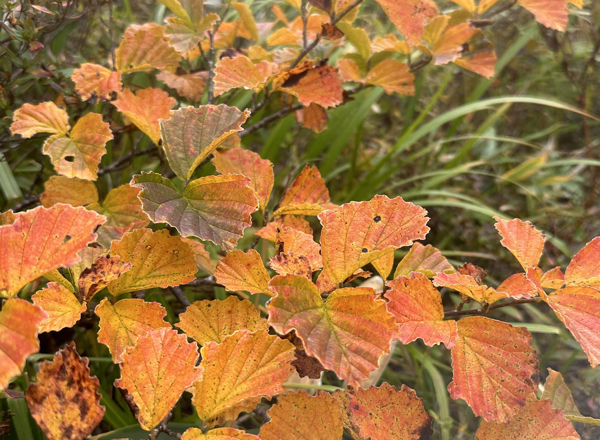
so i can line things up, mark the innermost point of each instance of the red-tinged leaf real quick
(384, 413)
(306, 366)
(293, 240)
(94, 80)
(144, 48)
(62, 307)
(522, 239)
(189, 85)
(553, 279)
(42, 240)
(481, 62)
(535, 419)
(215, 208)
(290, 263)
(307, 195)
(269, 232)
(468, 286)
(156, 371)
(87, 257)
(243, 271)
(551, 13)
(425, 259)
(205, 321)
(217, 434)
(41, 118)
(331, 32)
(144, 108)
(241, 72)
(393, 76)
(409, 16)
(158, 260)
(349, 70)
(417, 308)
(65, 400)
(191, 134)
(320, 85)
(300, 416)
(584, 268)
(534, 276)
(78, 153)
(238, 372)
(122, 208)
(19, 321)
(72, 191)
(494, 368)
(348, 333)
(578, 308)
(122, 323)
(313, 117)
(251, 165)
(360, 232)
(100, 274)
(518, 286)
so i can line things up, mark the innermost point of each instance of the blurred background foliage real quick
(464, 147)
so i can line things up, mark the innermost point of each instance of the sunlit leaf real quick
(409, 16)
(425, 259)
(100, 274)
(217, 434)
(468, 286)
(95, 80)
(72, 191)
(522, 239)
(62, 307)
(144, 47)
(241, 72)
(41, 118)
(243, 271)
(584, 268)
(307, 195)
(189, 85)
(184, 37)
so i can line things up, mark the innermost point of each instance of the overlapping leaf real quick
(100, 274)
(46, 117)
(409, 16)
(518, 286)
(391, 75)
(72, 191)
(217, 434)
(300, 243)
(144, 48)
(307, 195)
(522, 239)
(468, 286)
(290, 263)
(313, 117)
(243, 271)
(184, 36)
(188, 85)
(61, 305)
(425, 259)
(122, 207)
(241, 72)
(446, 42)
(95, 80)
(269, 232)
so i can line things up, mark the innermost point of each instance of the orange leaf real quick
(417, 307)
(578, 308)
(384, 265)
(94, 80)
(249, 164)
(241, 72)
(535, 419)
(390, 43)
(481, 62)
(553, 279)
(409, 16)
(144, 47)
(41, 118)
(522, 239)
(393, 76)
(360, 232)
(72, 191)
(41, 240)
(238, 372)
(447, 42)
(189, 85)
(19, 321)
(157, 371)
(551, 13)
(307, 195)
(65, 400)
(122, 207)
(425, 259)
(289, 263)
(269, 232)
(243, 271)
(205, 321)
(467, 285)
(145, 108)
(62, 307)
(384, 413)
(494, 368)
(104, 271)
(313, 117)
(191, 134)
(217, 434)
(584, 268)
(293, 240)
(348, 333)
(215, 208)
(300, 416)
(284, 37)
(122, 323)
(518, 286)
(159, 260)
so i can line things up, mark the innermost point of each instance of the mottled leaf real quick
(313, 117)
(290, 263)
(269, 232)
(122, 207)
(100, 274)
(72, 191)
(425, 259)
(62, 307)
(522, 239)
(144, 48)
(243, 271)
(41, 118)
(95, 80)
(300, 243)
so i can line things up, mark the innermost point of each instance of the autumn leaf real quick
(300, 243)
(417, 308)
(189, 10)
(87, 257)
(384, 265)
(41, 240)
(241, 72)
(494, 368)
(201, 255)
(156, 371)
(191, 134)
(122, 323)
(100, 274)
(409, 16)
(290, 263)
(553, 279)
(269, 232)
(584, 268)
(468, 286)
(19, 321)
(482, 62)
(247, 18)
(384, 413)
(446, 41)
(307, 195)
(535, 419)
(238, 372)
(522, 239)
(46, 117)
(425, 259)
(217, 434)
(551, 13)
(72, 191)
(360, 232)
(348, 333)
(243, 271)
(314, 117)
(188, 85)
(122, 207)
(62, 307)
(97, 81)
(206, 321)
(393, 76)
(390, 43)
(185, 37)
(215, 208)
(144, 48)
(158, 259)
(65, 400)
(518, 286)
(300, 416)
(144, 108)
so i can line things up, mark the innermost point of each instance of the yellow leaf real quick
(63, 308)
(41, 118)
(243, 271)
(72, 191)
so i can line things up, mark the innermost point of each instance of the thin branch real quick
(110, 33)
(125, 161)
(514, 302)
(304, 11)
(176, 290)
(280, 114)
(210, 62)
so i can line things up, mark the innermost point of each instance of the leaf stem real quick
(489, 308)
(312, 386)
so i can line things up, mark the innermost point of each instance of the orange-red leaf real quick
(300, 243)
(243, 271)
(553, 279)
(417, 307)
(65, 400)
(94, 80)
(482, 62)
(467, 285)
(217, 434)
(19, 321)
(72, 191)
(409, 16)
(156, 371)
(205, 321)
(518, 286)
(309, 84)
(425, 259)
(307, 195)
(269, 232)
(241, 72)
(494, 368)
(62, 307)
(584, 268)
(144, 47)
(447, 42)
(122, 323)
(100, 274)
(348, 333)
(41, 240)
(238, 372)
(41, 118)
(188, 85)
(313, 117)
(551, 13)
(522, 239)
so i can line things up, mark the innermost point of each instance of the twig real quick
(176, 290)
(208, 281)
(453, 313)
(124, 161)
(280, 114)
(304, 12)
(210, 62)
(110, 33)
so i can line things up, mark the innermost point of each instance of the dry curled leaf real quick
(99, 275)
